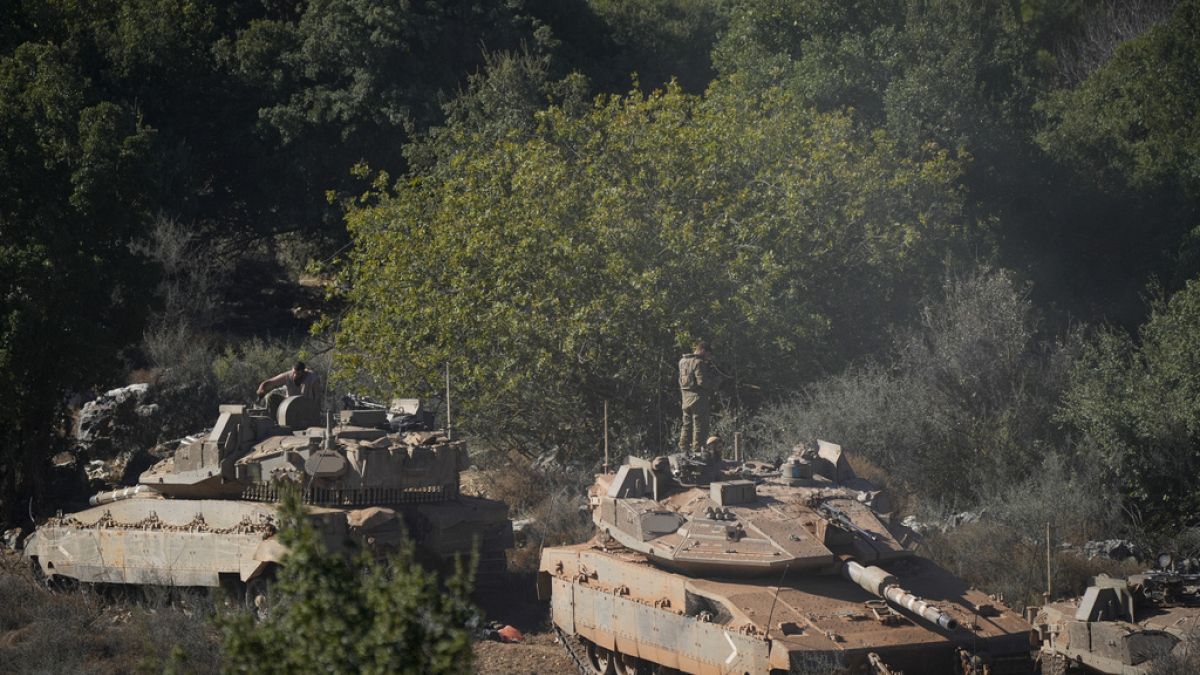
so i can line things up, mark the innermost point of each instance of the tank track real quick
(580, 664)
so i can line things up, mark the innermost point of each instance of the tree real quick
(72, 171)
(1136, 118)
(347, 82)
(562, 266)
(1137, 406)
(334, 615)
(663, 39)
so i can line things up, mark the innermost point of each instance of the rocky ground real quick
(539, 653)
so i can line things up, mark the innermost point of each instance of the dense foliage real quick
(572, 262)
(1138, 406)
(235, 122)
(1134, 119)
(70, 199)
(524, 209)
(335, 615)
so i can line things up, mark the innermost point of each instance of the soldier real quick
(299, 381)
(697, 382)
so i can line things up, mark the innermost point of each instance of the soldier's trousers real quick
(693, 433)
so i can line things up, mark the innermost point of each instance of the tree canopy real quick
(552, 197)
(572, 261)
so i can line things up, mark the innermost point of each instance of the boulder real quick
(942, 525)
(116, 420)
(1113, 549)
(13, 538)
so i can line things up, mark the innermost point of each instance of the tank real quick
(703, 565)
(206, 516)
(1123, 626)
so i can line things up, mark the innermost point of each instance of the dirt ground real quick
(516, 604)
(540, 653)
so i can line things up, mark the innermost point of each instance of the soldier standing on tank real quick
(698, 380)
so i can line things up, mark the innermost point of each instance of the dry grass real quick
(1000, 560)
(554, 501)
(902, 500)
(86, 630)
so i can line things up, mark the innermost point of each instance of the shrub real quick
(1136, 406)
(553, 501)
(334, 615)
(238, 370)
(1072, 497)
(964, 405)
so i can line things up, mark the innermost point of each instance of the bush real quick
(554, 502)
(180, 354)
(333, 615)
(1072, 497)
(189, 291)
(238, 370)
(963, 407)
(1137, 406)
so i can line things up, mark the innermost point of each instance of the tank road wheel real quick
(258, 595)
(624, 664)
(600, 659)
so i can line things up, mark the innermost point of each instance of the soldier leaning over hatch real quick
(299, 381)
(698, 379)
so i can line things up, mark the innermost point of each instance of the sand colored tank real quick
(1123, 626)
(206, 516)
(706, 566)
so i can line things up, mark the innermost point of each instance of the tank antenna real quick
(606, 437)
(448, 425)
(328, 430)
(1049, 589)
(775, 599)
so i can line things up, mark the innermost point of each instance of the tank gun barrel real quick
(117, 495)
(878, 582)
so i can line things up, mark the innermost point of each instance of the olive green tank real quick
(708, 566)
(207, 515)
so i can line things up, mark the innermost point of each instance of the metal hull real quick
(205, 542)
(809, 624)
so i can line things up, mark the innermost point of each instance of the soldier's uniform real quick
(697, 382)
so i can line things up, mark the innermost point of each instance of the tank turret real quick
(1133, 626)
(705, 515)
(787, 566)
(371, 475)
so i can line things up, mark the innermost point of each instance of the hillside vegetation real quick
(956, 236)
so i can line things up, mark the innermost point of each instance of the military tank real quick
(703, 565)
(206, 516)
(1124, 626)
